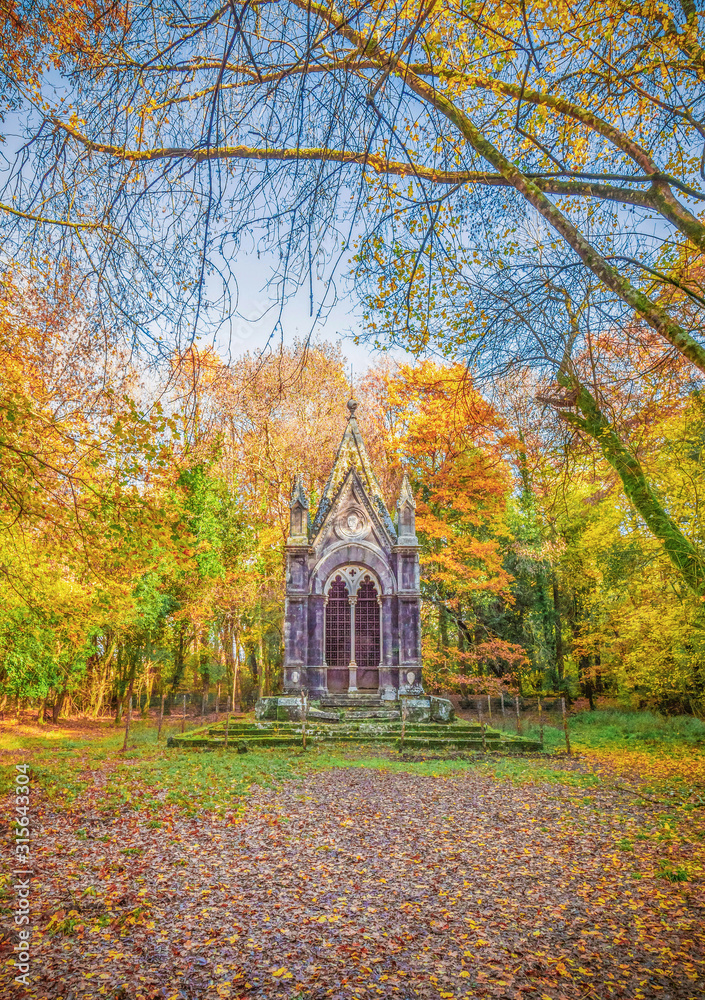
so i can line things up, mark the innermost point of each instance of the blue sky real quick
(252, 326)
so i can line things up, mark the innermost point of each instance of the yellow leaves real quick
(282, 973)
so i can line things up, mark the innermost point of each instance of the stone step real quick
(388, 715)
(362, 732)
(392, 726)
(351, 701)
(412, 743)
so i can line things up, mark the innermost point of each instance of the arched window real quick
(338, 625)
(367, 638)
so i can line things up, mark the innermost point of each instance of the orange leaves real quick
(449, 439)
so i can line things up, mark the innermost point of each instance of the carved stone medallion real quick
(352, 524)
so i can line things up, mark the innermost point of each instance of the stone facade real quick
(352, 621)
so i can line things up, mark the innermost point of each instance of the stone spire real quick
(405, 493)
(406, 506)
(352, 454)
(298, 493)
(298, 511)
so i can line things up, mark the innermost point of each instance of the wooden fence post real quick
(161, 717)
(217, 699)
(516, 706)
(128, 720)
(565, 725)
(227, 719)
(403, 724)
(183, 717)
(501, 695)
(541, 720)
(489, 707)
(482, 727)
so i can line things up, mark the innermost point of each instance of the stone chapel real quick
(352, 618)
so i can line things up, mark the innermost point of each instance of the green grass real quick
(614, 729)
(149, 774)
(619, 729)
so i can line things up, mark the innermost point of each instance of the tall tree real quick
(185, 131)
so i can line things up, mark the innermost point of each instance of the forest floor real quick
(353, 874)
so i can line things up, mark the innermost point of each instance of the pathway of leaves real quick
(361, 883)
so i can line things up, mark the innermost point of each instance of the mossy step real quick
(465, 743)
(352, 701)
(409, 742)
(295, 727)
(507, 746)
(373, 732)
(371, 713)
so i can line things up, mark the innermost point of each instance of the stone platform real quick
(348, 707)
(429, 725)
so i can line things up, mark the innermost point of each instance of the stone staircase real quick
(359, 705)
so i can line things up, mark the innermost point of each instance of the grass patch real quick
(673, 873)
(616, 729)
(524, 771)
(149, 775)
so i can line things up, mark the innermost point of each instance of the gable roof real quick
(352, 454)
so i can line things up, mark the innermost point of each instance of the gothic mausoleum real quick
(352, 632)
(352, 619)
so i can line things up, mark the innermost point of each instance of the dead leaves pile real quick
(363, 883)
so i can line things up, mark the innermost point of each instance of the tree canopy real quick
(162, 143)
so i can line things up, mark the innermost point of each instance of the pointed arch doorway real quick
(352, 631)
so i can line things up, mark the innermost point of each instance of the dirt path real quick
(360, 883)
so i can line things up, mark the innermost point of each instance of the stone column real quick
(386, 678)
(316, 669)
(295, 643)
(296, 617)
(409, 643)
(409, 593)
(352, 682)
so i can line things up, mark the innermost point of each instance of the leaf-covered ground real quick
(286, 875)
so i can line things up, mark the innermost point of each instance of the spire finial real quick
(352, 406)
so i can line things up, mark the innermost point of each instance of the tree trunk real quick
(236, 671)
(128, 717)
(557, 627)
(586, 680)
(148, 695)
(101, 692)
(262, 676)
(58, 705)
(119, 690)
(685, 557)
(107, 660)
